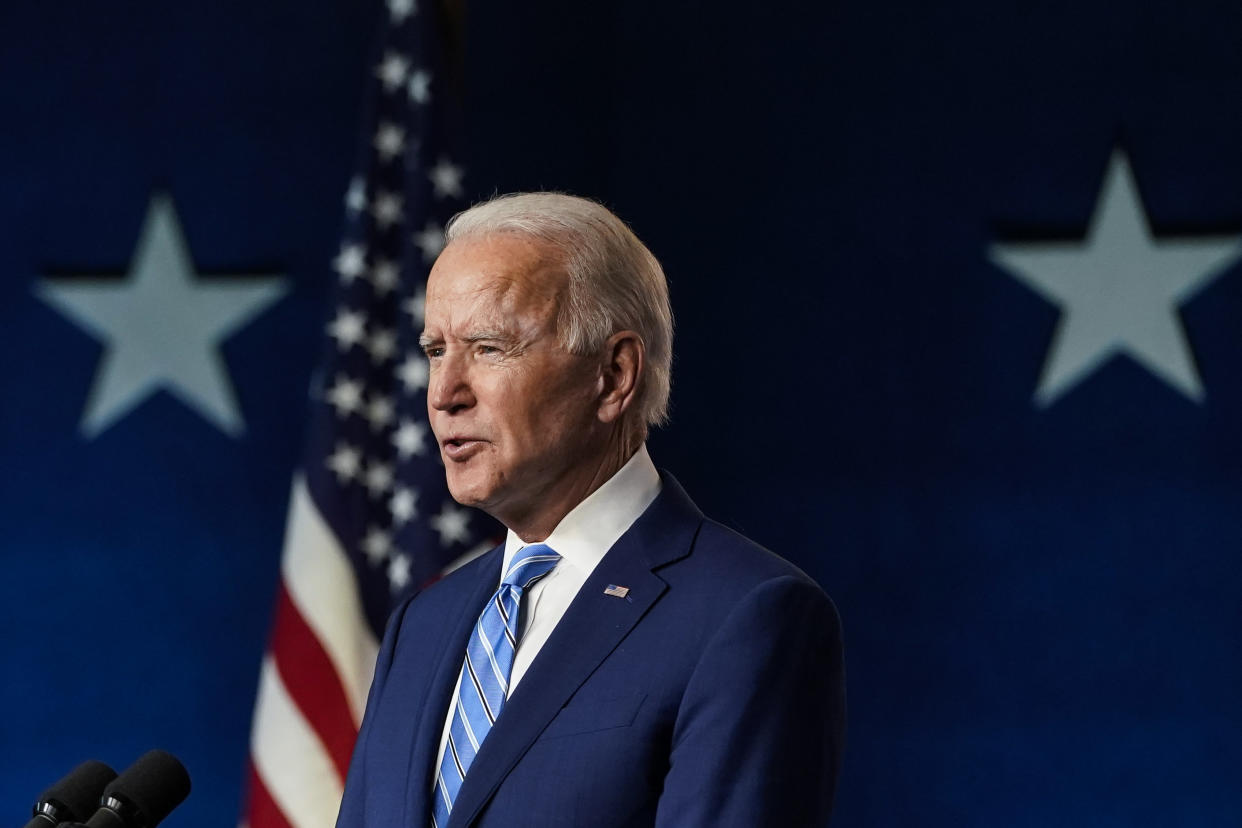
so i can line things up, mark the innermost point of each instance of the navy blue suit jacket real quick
(712, 695)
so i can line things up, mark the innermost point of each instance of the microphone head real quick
(150, 788)
(74, 798)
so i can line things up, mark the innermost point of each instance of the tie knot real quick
(530, 564)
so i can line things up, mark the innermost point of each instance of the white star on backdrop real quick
(376, 545)
(382, 345)
(385, 277)
(420, 86)
(345, 396)
(413, 373)
(351, 262)
(1119, 291)
(356, 195)
(446, 179)
(452, 524)
(345, 463)
(399, 572)
(387, 209)
(401, 9)
(378, 479)
(349, 328)
(430, 240)
(389, 141)
(409, 439)
(162, 326)
(404, 505)
(393, 70)
(379, 412)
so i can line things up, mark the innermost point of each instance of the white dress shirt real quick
(581, 539)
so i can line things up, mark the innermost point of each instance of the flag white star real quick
(382, 345)
(378, 478)
(420, 86)
(399, 10)
(356, 195)
(385, 277)
(349, 328)
(404, 505)
(389, 141)
(345, 462)
(387, 209)
(446, 179)
(410, 439)
(415, 306)
(413, 373)
(399, 572)
(162, 326)
(376, 545)
(452, 523)
(379, 412)
(351, 262)
(1119, 291)
(392, 70)
(345, 396)
(430, 240)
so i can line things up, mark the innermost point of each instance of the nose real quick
(448, 386)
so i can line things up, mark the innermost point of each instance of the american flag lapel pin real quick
(617, 591)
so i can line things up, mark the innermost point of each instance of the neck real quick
(538, 523)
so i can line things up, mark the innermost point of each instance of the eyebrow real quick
(483, 336)
(425, 339)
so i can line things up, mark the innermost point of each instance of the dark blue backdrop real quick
(1042, 607)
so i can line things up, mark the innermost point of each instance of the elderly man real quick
(621, 660)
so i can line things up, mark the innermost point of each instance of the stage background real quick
(1040, 596)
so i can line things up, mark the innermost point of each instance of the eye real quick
(488, 349)
(433, 351)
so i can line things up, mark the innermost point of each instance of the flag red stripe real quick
(312, 681)
(262, 811)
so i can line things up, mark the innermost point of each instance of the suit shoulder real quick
(731, 546)
(725, 559)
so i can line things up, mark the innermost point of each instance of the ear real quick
(622, 368)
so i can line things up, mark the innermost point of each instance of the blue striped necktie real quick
(485, 675)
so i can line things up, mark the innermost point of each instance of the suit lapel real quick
(591, 628)
(478, 585)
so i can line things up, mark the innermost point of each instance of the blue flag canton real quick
(374, 469)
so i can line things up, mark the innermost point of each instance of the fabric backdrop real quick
(958, 334)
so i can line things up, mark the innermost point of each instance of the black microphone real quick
(73, 797)
(143, 795)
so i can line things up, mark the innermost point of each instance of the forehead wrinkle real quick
(520, 295)
(524, 295)
(485, 320)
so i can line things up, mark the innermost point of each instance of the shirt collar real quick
(591, 528)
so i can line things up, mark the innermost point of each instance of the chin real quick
(467, 489)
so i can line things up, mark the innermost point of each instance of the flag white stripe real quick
(290, 759)
(323, 587)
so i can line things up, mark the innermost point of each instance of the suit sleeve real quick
(759, 733)
(353, 803)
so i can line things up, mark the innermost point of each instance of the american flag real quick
(370, 518)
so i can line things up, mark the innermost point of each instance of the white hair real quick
(615, 283)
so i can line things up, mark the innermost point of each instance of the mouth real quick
(460, 449)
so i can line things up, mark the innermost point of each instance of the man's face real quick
(514, 413)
